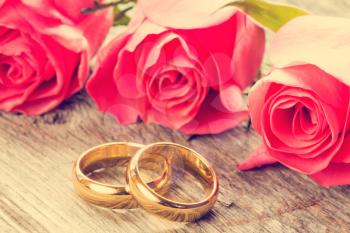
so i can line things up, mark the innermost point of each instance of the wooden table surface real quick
(37, 153)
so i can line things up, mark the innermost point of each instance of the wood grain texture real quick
(36, 157)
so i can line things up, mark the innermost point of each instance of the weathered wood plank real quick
(36, 156)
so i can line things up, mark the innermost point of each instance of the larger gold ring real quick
(108, 195)
(154, 202)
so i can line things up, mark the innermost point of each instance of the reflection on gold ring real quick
(153, 202)
(108, 195)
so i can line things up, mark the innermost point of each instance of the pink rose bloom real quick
(45, 47)
(302, 107)
(182, 64)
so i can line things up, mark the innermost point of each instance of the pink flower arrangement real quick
(185, 64)
(302, 107)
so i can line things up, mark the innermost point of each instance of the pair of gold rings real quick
(140, 192)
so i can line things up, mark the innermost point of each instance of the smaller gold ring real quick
(153, 202)
(102, 194)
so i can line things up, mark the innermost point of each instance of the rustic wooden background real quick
(36, 157)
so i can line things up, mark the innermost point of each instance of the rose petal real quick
(94, 26)
(136, 62)
(316, 164)
(258, 158)
(143, 30)
(293, 46)
(224, 60)
(257, 98)
(248, 51)
(213, 117)
(343, 155)
(187, 14)
(10, 98)
(232, 98)
(179, 110)
(102, 81)
(311, 78)
(94, 30)
(279, 124)
(335, 174)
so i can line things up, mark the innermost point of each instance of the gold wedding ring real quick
(153, 202)
(108, 195)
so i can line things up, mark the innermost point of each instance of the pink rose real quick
(301, 108)
(181, 65)
(45, 47)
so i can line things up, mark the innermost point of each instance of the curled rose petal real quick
(103, 81)
(342, 155)
(187, 14)
(258, 158)
(213, 117)
(329, 54)
(94, 26)
(334, 174)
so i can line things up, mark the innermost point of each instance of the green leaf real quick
(269, 15)
(122, 21)
(120, 16)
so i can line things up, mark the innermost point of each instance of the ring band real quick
(153, 202)
(108, 195)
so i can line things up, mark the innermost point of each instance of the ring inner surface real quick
(191, 178)
(107, 164)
